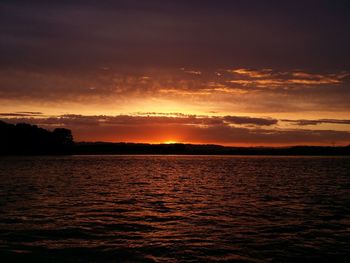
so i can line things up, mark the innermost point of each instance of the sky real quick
(230, 72)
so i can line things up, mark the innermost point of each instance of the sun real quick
(170, 142)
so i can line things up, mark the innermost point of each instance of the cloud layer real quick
(223, 65)
(165, 33)
(228, 130)
(317, 122)
(224, 90)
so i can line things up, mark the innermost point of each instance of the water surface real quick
(174, 209)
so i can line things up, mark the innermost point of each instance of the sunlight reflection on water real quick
(174, 208)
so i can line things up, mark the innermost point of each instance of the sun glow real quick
(170, 142)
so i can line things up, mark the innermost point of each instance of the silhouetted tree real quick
(24, 138)
(63, 139)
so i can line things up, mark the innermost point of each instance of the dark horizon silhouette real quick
(26, 139)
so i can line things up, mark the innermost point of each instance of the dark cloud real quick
(249, 120)
(21, 114)
(249, 58)
(164, 33)
(31, 112)
(191, 128)
(317, 122)
(181, 119)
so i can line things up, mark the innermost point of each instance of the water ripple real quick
(174, 209)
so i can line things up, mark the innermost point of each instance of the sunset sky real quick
(245, 73)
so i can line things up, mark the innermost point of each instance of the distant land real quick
(202, 149)
(26, 139)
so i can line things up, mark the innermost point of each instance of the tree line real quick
(23, 138)
(26, 139)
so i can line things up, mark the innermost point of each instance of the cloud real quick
(193, 72)
(268, 78)
(229, 92)
(148, 119)
(99, 82)
(173, 33)
(250, 120)
(265, 73)
(31, 112)
(88, 57)
(228, 130)
(21, 114)
(317, 122)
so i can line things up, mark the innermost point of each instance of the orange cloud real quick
(266, 78)
(227, 130)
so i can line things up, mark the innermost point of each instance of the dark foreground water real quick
(174, 209)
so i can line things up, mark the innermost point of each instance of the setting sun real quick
(170, 142)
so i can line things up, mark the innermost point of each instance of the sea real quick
(174, 208)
